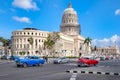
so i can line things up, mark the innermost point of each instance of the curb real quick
(92, 72)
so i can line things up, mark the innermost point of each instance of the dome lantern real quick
(69, 5)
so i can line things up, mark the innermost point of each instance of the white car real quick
(100, 58)
(61, 60)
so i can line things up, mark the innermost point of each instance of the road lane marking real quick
(3, 75)
(73, 77)
(93, 72)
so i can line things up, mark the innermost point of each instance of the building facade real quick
(20, 41)
(71, 43)
(111, 50)
(1, 50)
(70, 30)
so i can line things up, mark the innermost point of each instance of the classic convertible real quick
(87, 61)
(30, 61)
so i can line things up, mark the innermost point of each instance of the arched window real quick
(69, 21)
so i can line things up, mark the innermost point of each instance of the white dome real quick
(69, 16)
(69, 11)
(70, 25)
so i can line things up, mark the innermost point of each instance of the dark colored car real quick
(87, 61)
(30, 61)
(4, 57)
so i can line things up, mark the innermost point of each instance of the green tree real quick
(87, 42)
(22, 53)
(30, 40)
(5, 43)
(51, 40)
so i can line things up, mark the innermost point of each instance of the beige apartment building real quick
(1, 49)
(111, 50)
(71, 42)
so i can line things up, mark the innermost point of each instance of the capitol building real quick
(71, 41)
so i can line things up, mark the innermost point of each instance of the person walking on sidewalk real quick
(46, 58)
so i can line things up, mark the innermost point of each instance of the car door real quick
(92, 61)
(63, 60)
(36, 60)
(32, 60)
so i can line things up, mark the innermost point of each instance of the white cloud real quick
(117, 12)
(106, 42)
(25, 4)
(115, 38)
(22, 19)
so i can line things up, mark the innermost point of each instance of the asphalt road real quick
(9, 71)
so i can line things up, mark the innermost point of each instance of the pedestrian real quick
(46, 58)
(43, 57)
(80, 54)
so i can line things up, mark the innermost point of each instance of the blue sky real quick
(99, 19)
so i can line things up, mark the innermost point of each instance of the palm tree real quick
(51, 40)
(5, 43)
(30, 40)
(87, 41)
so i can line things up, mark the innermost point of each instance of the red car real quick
(86, 61)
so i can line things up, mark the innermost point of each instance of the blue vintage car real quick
(30, 61)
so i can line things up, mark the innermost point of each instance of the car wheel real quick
(40, 64)
(60, 62)
(18, 65)
(78, 65)
(94, 64)
(24, 65)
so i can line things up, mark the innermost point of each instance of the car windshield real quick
(61, 58)
(86, 58)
